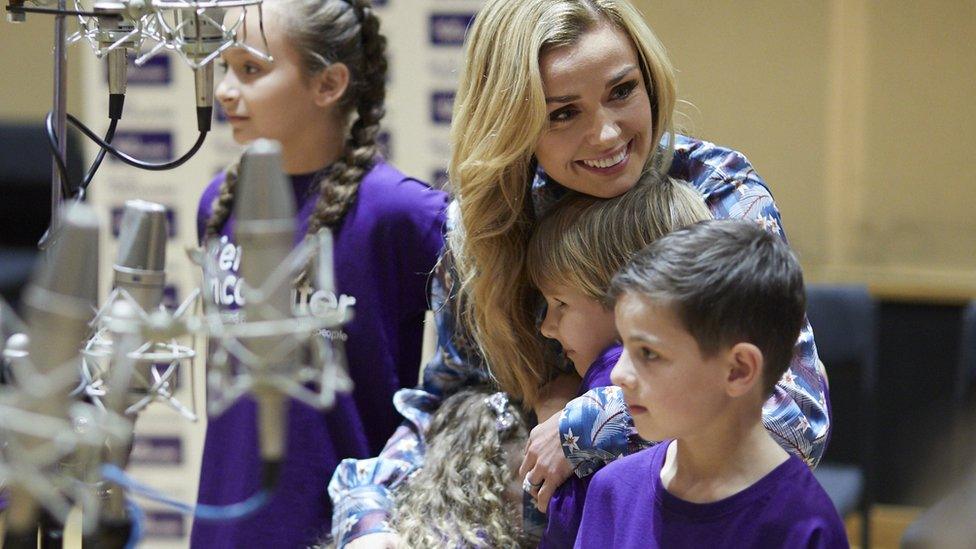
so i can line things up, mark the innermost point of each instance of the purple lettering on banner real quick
(164, 524)
(117, 212)
(441, 106)
(448, 29)
(157, 71)
(171, 297)
(380, 3)
(157, 450)
(146, 146)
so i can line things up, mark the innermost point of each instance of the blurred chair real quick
(844, 320)
(25, 207)
(949, 522)
(966, 374)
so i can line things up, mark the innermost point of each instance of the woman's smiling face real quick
(599, 132)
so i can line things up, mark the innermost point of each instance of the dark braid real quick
(367, 90)
(222, 204)
(326, 32)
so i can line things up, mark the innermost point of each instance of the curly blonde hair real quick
(463, 495)
(499, 116)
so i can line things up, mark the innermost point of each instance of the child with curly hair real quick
(468, 494)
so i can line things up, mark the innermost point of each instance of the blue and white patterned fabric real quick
(596, 427)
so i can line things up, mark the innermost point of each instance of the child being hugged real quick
(573, 253)
(708, 316)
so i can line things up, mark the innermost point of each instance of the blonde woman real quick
(560, 94)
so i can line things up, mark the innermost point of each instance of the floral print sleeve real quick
(361, 489)
(596, 427)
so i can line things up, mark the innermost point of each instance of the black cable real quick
(116, 103)
(109, 135)
(134, 161)
(62, 168)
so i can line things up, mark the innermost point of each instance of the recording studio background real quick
(858, 114)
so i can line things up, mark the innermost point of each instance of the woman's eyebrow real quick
(562, 99)
(612, 82)
(620, 75)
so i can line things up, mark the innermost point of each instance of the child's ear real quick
(330, 84)
(745, 369)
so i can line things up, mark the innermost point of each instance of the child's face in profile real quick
(581, 324)
(671, 390)
(275, 99)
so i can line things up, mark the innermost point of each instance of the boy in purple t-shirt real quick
(572, 255)
(708, 316)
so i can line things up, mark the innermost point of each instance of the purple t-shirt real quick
(628, 506)
(566, 505)
(388, 244)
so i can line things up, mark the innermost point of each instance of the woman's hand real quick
(379, 540)
(544, 467)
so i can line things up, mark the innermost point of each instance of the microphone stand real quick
(51, 529)
(60, 109)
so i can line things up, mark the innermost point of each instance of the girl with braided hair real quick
(322, 98)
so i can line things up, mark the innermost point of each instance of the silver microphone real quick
(58, 306)
(139, 267)
(265, 231)
(116, 34)
(60, 298)
(201, 39)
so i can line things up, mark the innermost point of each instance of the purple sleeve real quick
(419, 226)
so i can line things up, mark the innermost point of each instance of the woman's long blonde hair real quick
(584, 240)
(462, 495)
(499, 116)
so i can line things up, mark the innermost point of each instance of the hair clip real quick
(498, 403)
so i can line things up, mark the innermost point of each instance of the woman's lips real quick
(614, 169)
